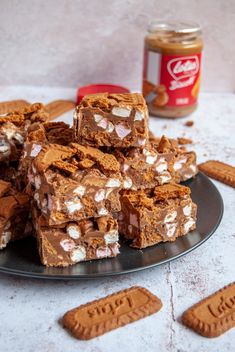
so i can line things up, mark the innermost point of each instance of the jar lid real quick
(174, 26)
(100, 88)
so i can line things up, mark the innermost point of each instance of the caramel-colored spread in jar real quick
(172, 60)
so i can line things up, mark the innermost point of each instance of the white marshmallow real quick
(165, 178)
(73, 205)
(150, 159)
(170, 229)
(113, 182)
(36, 148)
(188, 225)
(80, 190)
(110, 127)
(37, 181)
(139, 116)
(170, 217)
(98, 117)
(73, 231)
(19, 137)
(100, 195)
(187, 210)
(122, 112)
(4, 147)
(125, 167)
(5, 238)
(67, 245)
(103, 252)
(111, 237)
(103, 211)
(141, 141)
(78, 254)
(127, 183)
(161, 167)
(103, 123)
(122, 131)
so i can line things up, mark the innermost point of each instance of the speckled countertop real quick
(30, 309)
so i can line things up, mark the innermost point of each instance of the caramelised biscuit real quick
(183, 140)
(26, 116)
(118, 120)
(98, 317)
(75, 182)
(171, 191)
(75, 241)
(185, 162)
(59, 107)
(4, 187)
(219, 171)
(13, 131)
(14, 211)
(39, 135)
(12, 105)
(152, 216)
(214, 315)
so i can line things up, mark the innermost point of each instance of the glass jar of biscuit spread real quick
(172, 62)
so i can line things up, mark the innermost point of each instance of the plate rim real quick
(34, 275)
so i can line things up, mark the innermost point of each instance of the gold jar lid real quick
(174, 36)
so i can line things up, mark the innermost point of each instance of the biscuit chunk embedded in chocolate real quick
(39, 135)
(118, 120)
(185, 162)
(14, 212)
(158, 215)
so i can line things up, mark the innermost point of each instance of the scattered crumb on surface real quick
(189, 123)
(182, 140)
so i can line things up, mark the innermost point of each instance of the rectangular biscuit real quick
(219, 171)
(59, 107)
(98, 317)
(12, 105)
(213, 315)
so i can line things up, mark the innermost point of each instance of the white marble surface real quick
(30, 309)
(63, 42)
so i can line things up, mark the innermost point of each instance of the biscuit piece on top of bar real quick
(76, 241)
(14, 212)
(76, 182)
(185, 162)
(13, 129)
(39, 135)
(118, 120)
(158, 215)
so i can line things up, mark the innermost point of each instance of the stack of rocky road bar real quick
(83, 186)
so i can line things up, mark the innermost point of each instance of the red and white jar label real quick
(174, 76)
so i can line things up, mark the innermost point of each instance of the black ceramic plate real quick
(21, 258)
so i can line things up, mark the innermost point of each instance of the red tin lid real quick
(99, 88)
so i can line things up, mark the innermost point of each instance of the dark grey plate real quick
(21, 258)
